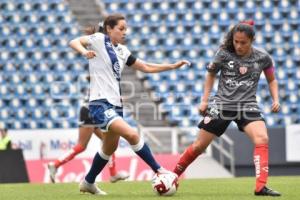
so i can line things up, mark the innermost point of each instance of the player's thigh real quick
(85, 134)
(121, 128)
(98, 133)
(257, 132)
(218, 124)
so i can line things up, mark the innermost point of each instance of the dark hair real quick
(245, 26)
(111, 21)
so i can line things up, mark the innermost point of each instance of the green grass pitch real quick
(198, 189)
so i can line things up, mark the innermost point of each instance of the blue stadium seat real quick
(166, 30)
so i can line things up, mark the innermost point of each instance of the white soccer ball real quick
(165, 184)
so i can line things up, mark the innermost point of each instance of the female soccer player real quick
(107, 57)
(86, 129)
(240, 65)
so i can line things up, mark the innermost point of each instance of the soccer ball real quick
(165, 184)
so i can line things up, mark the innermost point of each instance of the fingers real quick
(182, 63)
(202, 109)
(202, 112)
(275, 107)
(90, 54)
(186, 62)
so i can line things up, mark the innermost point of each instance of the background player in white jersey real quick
(240, 65)
(107, 57)
(86, 129)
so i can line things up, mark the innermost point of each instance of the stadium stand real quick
(42, 79)
(166, 31)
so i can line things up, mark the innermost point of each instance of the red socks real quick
(261, 162)
(78, 149)
(185, 160)
(261, 157)
(112, 165)
(69, 155)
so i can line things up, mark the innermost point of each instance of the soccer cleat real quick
(162, 170)
(52, 171)
(122, 175)
(90, 188)
(267, 192)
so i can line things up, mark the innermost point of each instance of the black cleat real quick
(267, 192)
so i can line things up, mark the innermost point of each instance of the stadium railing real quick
(169, 140)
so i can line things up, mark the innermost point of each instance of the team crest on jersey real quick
(120, 50)
(116, 70)
(243, 70)
(207, 119)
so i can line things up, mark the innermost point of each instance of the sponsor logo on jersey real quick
(229, 73)
(120, 50)
(231, 64)
(256, 65)
(233, 83)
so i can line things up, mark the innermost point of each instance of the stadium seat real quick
(166, 30)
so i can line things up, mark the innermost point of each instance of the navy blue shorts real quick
(103, 113)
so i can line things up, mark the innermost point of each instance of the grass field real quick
(200, 189)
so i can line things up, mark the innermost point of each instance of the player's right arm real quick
(79, 44)
(208, 84)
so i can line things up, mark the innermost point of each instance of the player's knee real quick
(261, 139)
(133, 138)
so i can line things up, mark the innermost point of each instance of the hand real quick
(181, 63)
(89, 54)
(203, 107)
(275, 106)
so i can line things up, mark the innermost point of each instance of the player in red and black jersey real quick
(240, 66)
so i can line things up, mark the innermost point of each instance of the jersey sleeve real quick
(129, 58)
(94, 39)
(268, 62)
(215, 65)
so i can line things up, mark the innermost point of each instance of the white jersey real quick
(103, 83)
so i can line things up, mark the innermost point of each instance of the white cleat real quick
(162, 170)
(122, 175)
(52, 171)
(90, 188)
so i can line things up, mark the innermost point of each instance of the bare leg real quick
(85, 134)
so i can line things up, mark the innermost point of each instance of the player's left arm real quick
(273, 87)
(154, 68)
